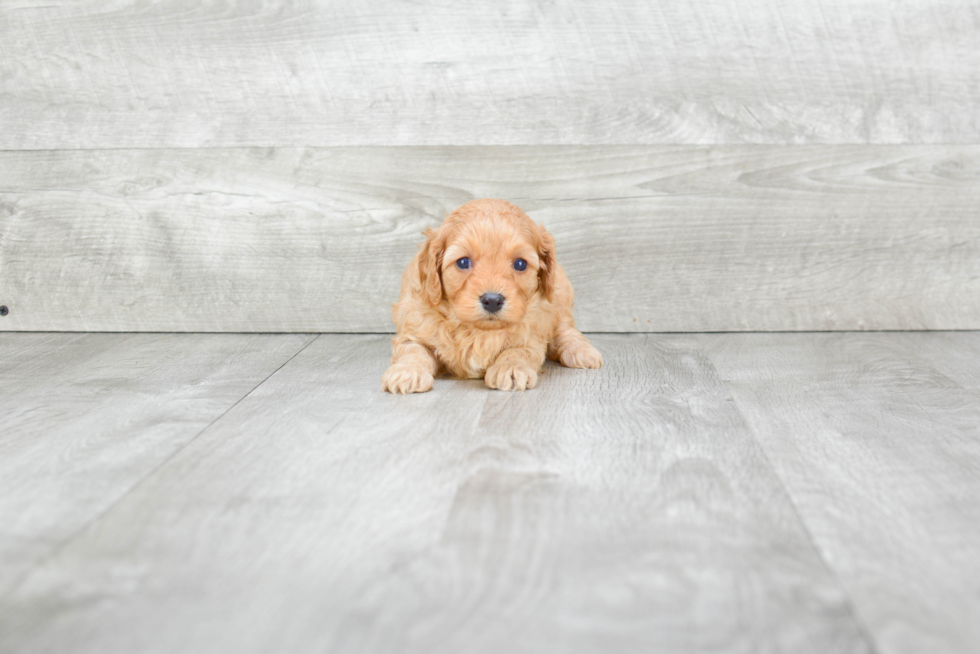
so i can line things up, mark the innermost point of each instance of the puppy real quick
(484, 297)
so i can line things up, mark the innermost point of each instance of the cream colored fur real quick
(442, 326)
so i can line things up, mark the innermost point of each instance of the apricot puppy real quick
(484, 297)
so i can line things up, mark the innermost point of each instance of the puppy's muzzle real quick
(492, 302)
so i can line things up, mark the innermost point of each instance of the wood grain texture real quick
(654, 238)
(85, 417)
(96, 74)
(880, 450)
(626, 509)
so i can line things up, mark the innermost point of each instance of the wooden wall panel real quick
(654, 238)
(98, 74)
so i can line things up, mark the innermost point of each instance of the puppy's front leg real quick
(413, 368)
(573, 350)
(515, 369)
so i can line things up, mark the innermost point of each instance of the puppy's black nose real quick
(492, 302)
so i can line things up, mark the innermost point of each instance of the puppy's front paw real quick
(511, 377)
(406, 379)
(581, 355)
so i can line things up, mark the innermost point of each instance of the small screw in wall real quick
(4, 311)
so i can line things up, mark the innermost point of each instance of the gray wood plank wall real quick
(654, 238)
(711, 166)
(96, 74)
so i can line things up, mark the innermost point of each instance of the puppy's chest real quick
(470, 353)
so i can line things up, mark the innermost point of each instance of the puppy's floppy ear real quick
(546, 257)
(430, 266)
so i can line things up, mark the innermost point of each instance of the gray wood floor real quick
(806, 492)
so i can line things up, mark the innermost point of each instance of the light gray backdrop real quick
(251, 166)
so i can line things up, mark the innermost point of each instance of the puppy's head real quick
(487, 260)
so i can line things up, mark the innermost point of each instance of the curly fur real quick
(443, 328)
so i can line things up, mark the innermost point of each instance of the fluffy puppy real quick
(484, 297)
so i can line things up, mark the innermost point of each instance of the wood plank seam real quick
(66, 542)
(817, 547)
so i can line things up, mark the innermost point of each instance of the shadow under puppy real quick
(484, 297)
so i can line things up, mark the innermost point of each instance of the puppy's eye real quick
(463, 263)
(520, 264)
